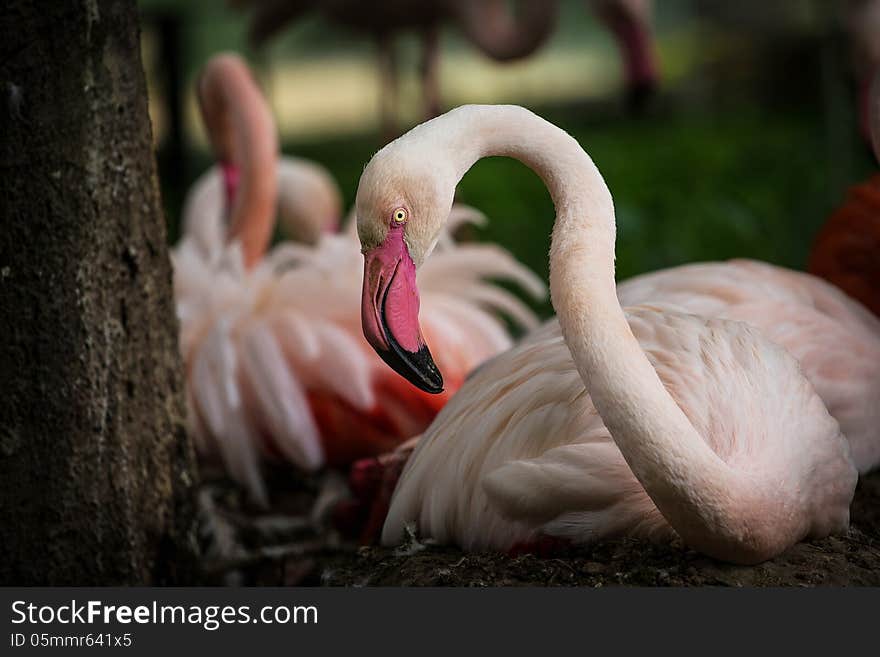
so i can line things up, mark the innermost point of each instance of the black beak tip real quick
(416, 367)
(430, 378)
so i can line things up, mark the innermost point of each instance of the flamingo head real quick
(402, 205)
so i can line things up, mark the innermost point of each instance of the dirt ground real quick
(291, 545)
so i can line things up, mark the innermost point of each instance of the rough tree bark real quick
(96, 469)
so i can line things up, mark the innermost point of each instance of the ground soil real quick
(290, 545)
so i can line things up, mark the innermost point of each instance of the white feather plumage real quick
(256, 342)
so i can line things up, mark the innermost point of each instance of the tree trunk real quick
(96, 470)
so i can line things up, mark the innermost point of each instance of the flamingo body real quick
(522, 452)
(834, 339)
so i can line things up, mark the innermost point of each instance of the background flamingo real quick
(275, 361)
(707, 419)
(847, 249)
(488, 24)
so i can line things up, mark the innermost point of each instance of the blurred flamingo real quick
(489, 25)
(275, 360)
(847, 249)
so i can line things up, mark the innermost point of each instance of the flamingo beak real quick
(390, 313)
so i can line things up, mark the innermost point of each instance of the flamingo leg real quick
(632, 31)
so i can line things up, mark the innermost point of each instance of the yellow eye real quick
(399, 216)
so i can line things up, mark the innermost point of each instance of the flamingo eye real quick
(399, 216)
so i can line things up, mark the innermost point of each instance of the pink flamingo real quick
(276, 363)
(653, 421)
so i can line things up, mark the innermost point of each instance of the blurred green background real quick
(748, 146)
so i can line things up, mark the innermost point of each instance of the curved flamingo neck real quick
(691, 486)
(242, 134)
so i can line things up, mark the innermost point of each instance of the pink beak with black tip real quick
(390, 313)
